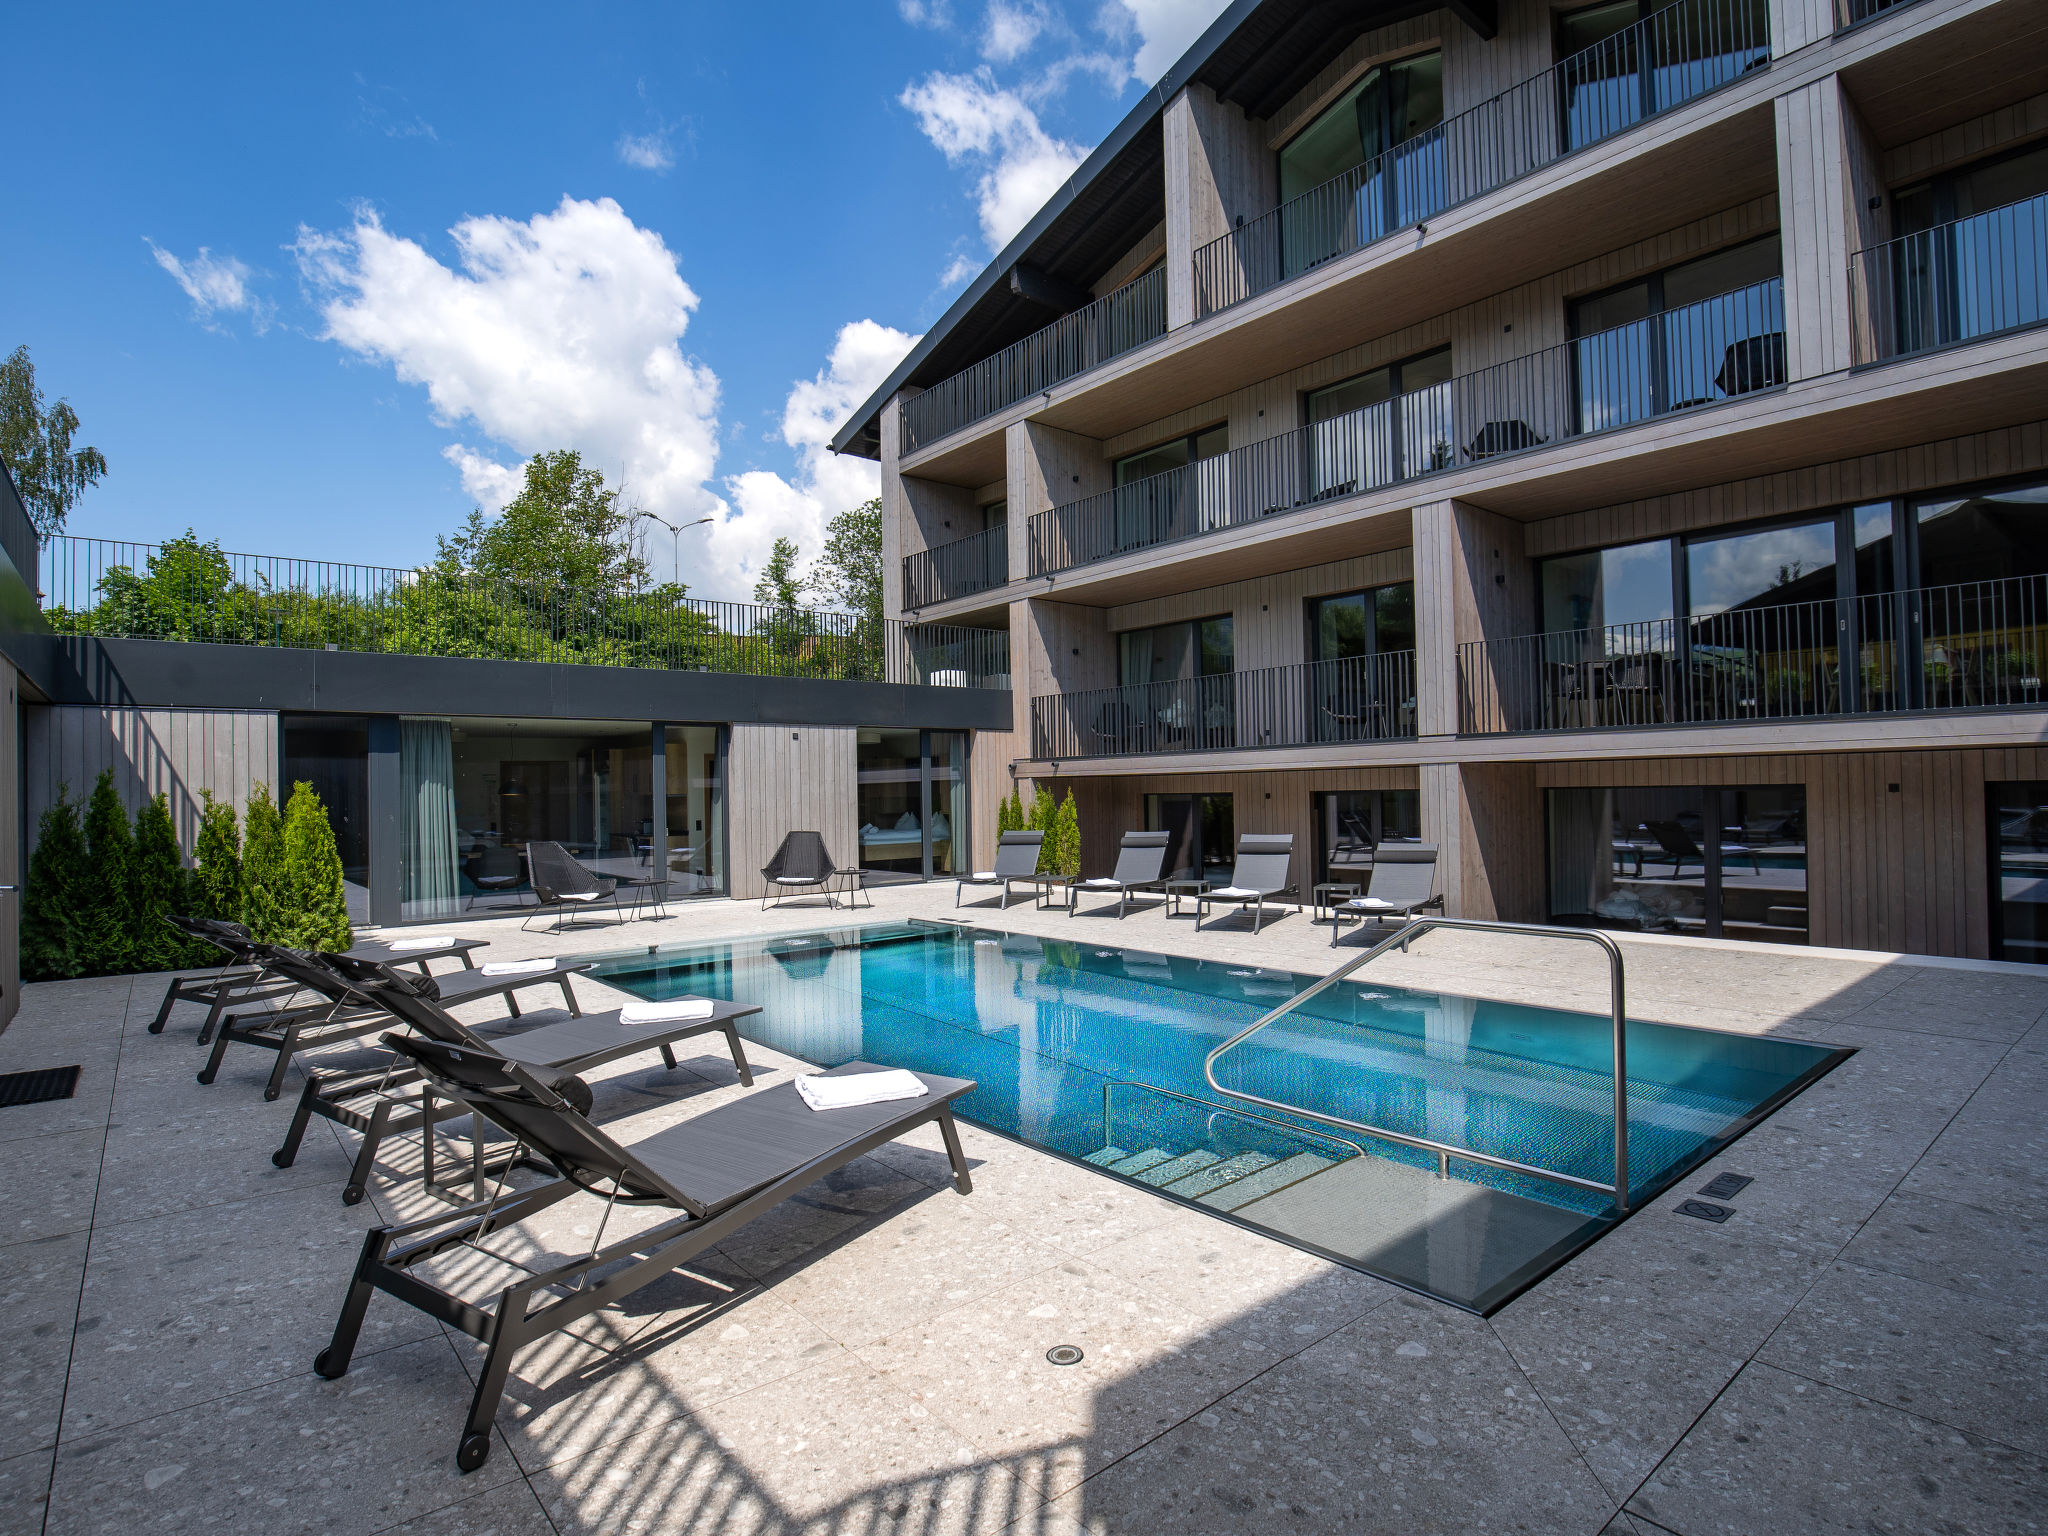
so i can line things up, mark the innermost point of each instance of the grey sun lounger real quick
(717, 1171)
(1403, 884)
(1140, 866)
(1016, 859)
(380, 1102)
(339, 1013)
(1264, 869)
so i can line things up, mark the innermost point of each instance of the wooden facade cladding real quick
(790, 778)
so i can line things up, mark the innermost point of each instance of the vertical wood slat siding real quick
(11, 869)
(779, 785)
(178, 752)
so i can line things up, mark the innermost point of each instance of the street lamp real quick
(676, 541)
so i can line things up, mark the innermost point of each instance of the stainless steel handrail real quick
(1444, 1150)
(1214, 1109)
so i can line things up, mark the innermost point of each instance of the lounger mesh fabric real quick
(1265, 862)
(241, 980)
(1403, 883)
(1140, 865)
(1016, 859)
(719, 1170)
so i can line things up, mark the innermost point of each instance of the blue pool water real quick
(1096, 1053)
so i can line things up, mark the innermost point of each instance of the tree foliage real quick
(263, 873)
(849, 572)
(1063, 840)
(216, 887)
(1010, 813)
(59, 889)
(316, 904)
(108, 934)
(156, 891)
(35, 441)
(566, 529)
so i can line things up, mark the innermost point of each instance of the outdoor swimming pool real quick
(1096, 1053)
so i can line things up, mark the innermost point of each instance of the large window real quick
(912, 802)
(1362, 673)
(1382, 426)
(1173, 489)
(1179, 692)
(1352, 823)
(2018, 818)
(694, 789)
(1614, 72)
(1201, 833)
(1171, 652)
(1705, 330)
(331, 752)
(1381, 137)
(1715, 862)
(1972, 258)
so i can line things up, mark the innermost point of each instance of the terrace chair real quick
(1265, 861)
(376, 1103)
(717, 1171)
(1016, 859)
(565, 886)
(1403, 883)
(1680, 847)
(1140, 866)
(340, 1013)
(803, 864)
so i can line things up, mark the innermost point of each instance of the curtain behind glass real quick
(426, 771)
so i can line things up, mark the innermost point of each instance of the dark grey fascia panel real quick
(172, 674)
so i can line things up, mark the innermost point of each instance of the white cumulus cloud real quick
(564, 331)
(646, 151)
(973, 121)
(1166, 29)
(1009, 29)
(216, 285)
(769, 506)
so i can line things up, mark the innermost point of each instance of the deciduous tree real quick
(35, 440)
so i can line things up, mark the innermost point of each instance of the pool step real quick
(1108, 1157)
(1216, 1175)
(1130, 1167)
(1165, 1175)
(1268, 1180)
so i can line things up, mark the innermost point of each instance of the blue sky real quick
(318, 280)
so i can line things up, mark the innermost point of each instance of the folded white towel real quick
(861, 1088)
(677, 1010)
(518, 967)
(1234, 890)
(421, 941)
(1102, 880)
(582, 895)
(983, 874)
(1372, 903)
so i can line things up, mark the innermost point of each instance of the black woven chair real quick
(803, 866)
(564, 886)
(717, 1171)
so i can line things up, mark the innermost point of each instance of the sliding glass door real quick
(911, 797)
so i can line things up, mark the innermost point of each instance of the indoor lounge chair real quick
(386, 1101)
(564, 886)
(1403, 884)
(717, 1172)
(1016, 859)
(1264, 869)
(338, 1012)
(1140, 866)
(1681, 848)
(803, 865)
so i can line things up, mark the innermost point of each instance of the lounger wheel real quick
(352, 1194)
(323, 1365)
(271, 1093)
(206, 1074)
(474, 1452)
(281, 1159)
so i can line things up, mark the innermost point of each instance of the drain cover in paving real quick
(1726, 1186)
(1706, 1210)
(35, 1087)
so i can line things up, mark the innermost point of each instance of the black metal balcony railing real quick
(1981, 645)
(1715, 350)
(186, 590)
(1364, 698)
(1115, 323)
(1955, 282)
(1671, 57)
(978, 563)
(1853, 13)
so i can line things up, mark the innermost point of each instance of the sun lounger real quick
(1016, 859)
(240, 980)
(339, 1013)
(1264, 869)
(380, 1102)
(717, 1171)
(1140, 866)
(1403, 884)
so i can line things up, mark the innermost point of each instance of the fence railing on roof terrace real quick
(1114, 324)
(186, 590)
(1670, 57)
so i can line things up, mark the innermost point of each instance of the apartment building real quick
(1608, 442)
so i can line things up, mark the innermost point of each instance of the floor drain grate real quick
(1706, 1210)
(1064, 1354)
(36, 1087)
(1726, 1186)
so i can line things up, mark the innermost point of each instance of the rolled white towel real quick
(677, 1010)
(983, 874)
(861, 1088)
(421, 941)
(518, 967)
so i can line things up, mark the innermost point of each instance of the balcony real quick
(1954, 283)
(186, 590)
(1663, 61)
(1354, 699)
(978, 563)
(1681, 360)
(1979, 645)
(1853, 13)
(1089, 337)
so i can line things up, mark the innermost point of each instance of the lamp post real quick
(676, 539)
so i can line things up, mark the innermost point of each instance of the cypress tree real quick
(215, 889)
(108, 934)
(263, 881)
(317, 910)
(1043, 809)
(1009, 814)
(157, 890)
(1065, 839)
(53, 905)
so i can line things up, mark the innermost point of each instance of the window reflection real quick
(2019, 878)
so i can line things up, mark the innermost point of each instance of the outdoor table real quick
(1325, 894)
(1176, 889)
